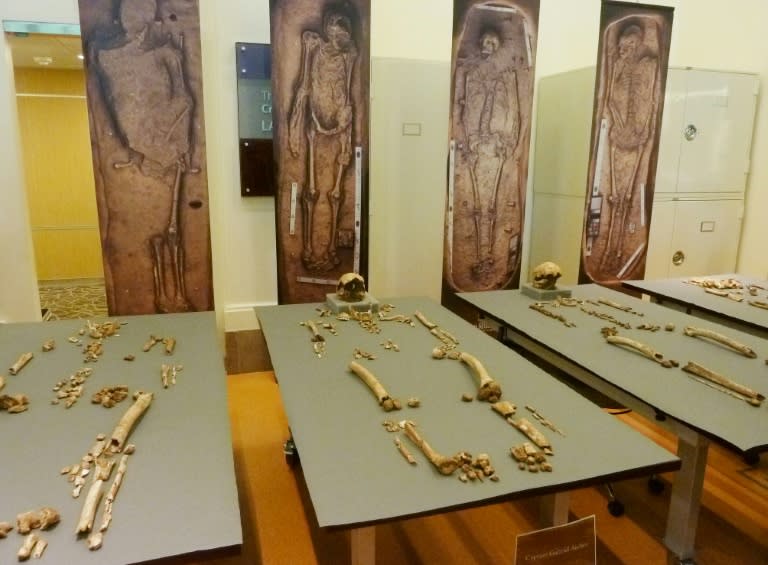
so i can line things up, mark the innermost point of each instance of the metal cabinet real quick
(702, 171)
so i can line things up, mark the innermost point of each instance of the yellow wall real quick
(58, 169)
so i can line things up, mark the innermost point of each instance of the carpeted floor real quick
(72, 300)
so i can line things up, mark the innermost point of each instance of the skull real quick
(545, 275)
(351, 287)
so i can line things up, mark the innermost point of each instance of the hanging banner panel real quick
(629, 97)
(145, 106)
(320, 91)
(494, 55)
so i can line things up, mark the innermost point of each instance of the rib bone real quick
(385, 400)
(720, 338)
(642, 348)
(446, 465)
(488, 388)
(752, 397)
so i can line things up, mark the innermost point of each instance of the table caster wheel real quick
(290, 452)
(616, 508)
(655, 485)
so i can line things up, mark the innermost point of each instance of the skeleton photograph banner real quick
(629, 97)
(320, 83)
(145, 107)
(494, 55)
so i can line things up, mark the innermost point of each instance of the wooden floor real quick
(279, 526)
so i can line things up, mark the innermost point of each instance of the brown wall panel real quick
(320, 83)
(144, 86)
(629, 98)
(494, 56)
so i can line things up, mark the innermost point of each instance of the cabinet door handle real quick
(678, 258)
(690, 132)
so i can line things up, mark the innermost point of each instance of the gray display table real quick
(179, 494)
(692, 410)
(354, 474)
(696, 301)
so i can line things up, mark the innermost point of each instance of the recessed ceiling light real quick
(81, 56)
(44, 61)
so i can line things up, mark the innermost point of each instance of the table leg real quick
(363, 542)
(553, 509)
(686, 495)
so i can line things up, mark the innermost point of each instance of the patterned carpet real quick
(67, 301)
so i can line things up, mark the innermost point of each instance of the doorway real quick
(58, 170)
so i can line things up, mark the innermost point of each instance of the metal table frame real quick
(692, 442)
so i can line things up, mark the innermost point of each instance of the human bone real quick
(692, 331)
(545, 275)
(129, 419)
(37, 519)
(642, 348)
(752, 397)
(385, 400)
(351, 287)
(445, 465)
(19, 364)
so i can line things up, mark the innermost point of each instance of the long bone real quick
(488, 389)
(642, 348)
(445, 465)
(129, 420)
(533, 434)
(385, 400)
(20, 362)
(750, 396)
(90, 505)
(720, 338)
(172, 238)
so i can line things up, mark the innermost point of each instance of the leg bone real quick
(720, 338)
(385, 400)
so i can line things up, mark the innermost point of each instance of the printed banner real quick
(494, 55)
(145, 106)
(629, 98)
(320, 84)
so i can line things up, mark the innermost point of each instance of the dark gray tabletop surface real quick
(671, 391)
(694, 296)
(352, 469)
(179, 494)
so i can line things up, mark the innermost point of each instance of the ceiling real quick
(62, 50)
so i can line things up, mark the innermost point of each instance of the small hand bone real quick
(488, 389)
(385, 401)
(445, 465)
(404, 451)
(25, 551)
(720, 338)
(752, 397)
(642, 348)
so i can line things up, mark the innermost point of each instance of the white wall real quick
(243, 232)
